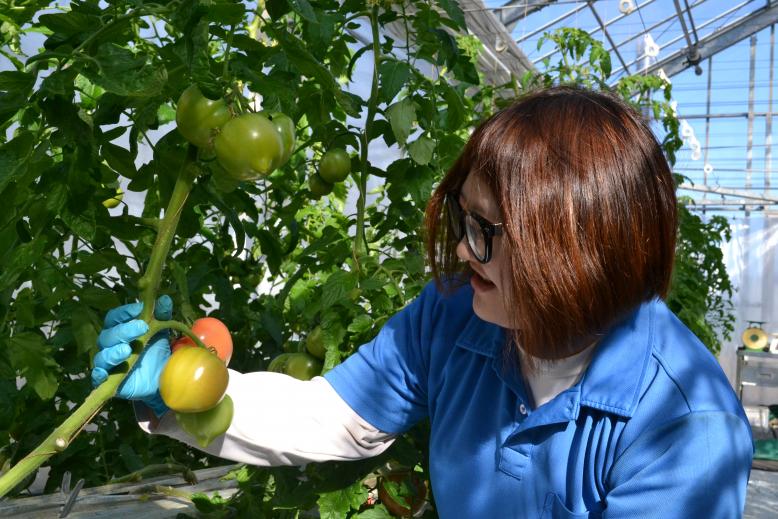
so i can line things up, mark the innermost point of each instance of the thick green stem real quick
(63, 435)
(360, 241)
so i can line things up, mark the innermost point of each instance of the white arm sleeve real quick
(280, 420)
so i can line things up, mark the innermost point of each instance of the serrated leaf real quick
(126, 74)
(337, 504)
(13, 81)
(421, 150)
(401, 116)
(31, 357)
(337, 287)
(360, 324)
(393, 75)
(455, 108)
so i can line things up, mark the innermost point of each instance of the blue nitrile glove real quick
(119, 330)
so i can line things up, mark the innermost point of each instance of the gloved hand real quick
(119, 330)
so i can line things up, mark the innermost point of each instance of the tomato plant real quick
(94, 105)
(315, 344)
(249, 146)
(193, 380)
(213, 333)
(207, 425)
(299, 365)
(318, 186)
(197, 117)
(286, 128)
(335, 165)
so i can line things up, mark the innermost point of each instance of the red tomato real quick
(213, 333)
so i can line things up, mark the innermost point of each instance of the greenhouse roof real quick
(719, 55)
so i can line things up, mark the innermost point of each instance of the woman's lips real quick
(480, 284)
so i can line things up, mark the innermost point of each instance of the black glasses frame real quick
(488, 229)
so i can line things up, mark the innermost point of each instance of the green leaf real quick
(13, 81)
(401, 116)
(25, 256)
(393, 75)
(336, 288)
(83, 224)
(13, 158)
(86, 325)
(337, 504)
(360, 324)
(120, 159)
(124, 73)
(297, 53)
(454, 11)
(455, 109)
(304, 9)
(31, 357)
(421, 150)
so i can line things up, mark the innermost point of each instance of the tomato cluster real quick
(334, 167)
(247, 146)
(194, 381)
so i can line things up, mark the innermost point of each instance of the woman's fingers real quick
(122, 314)
(121, 333)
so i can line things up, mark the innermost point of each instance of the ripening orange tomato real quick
(213, 333)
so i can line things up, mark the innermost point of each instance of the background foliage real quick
(76, 118)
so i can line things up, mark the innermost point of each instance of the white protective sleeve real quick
(280, 420)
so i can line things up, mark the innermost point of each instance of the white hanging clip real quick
(626, 6)
(652, 48)
(707, 169)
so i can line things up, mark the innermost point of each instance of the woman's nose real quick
(463, 251)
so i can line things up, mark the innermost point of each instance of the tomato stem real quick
(360, 241)
(155, 326)
(63, 435)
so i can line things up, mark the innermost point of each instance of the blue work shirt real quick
(652, 429)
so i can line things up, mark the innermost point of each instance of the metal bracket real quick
(71, 495)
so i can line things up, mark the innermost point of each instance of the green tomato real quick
(301, 366)
(193, 380)
(115, 200)
(249, 147)
(286, 128)
(210, 424)
(335, 165)
(197, 116)
(314, 343)
(318, 186)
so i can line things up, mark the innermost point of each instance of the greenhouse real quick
(388, 258)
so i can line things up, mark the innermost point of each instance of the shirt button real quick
(523, 409)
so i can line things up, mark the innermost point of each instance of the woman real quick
(556, 381)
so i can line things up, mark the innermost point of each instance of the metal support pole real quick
(768, 154)
(750, 130)
(707, 126)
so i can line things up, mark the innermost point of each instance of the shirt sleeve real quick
(386, 381)
(696, 467)
(279, 420)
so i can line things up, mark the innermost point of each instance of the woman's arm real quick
(280, 420)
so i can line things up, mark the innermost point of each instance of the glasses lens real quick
(475, 237)
(454, 216)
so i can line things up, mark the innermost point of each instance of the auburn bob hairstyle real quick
(588, 207)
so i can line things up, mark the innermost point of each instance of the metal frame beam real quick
(502, 57)
(762, 199)
(519, 9)
(719, 40)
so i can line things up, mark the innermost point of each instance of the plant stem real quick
(360, 242)
(156, 326)
(63, 435)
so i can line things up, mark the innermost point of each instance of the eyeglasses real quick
(479, 230)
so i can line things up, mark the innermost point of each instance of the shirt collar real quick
(614, 378)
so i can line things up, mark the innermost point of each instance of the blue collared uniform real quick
(652, 430)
